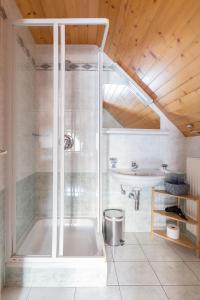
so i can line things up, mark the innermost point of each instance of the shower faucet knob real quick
(68, 141)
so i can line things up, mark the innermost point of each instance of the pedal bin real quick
(113, 227)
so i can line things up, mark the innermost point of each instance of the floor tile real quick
(104, 293)
(145, 238)
(135, 273)
(130, 238)
(142, 293)
(109, 256)
(174, 273)
(185, 253)
(129, 253)
(160, 253)
(183, 292)
(51, 293)
(15, 293)
(195, 267)
(112, 277)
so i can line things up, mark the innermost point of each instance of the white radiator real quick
(193, 178)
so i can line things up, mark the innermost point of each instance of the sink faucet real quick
(164, 167)
(134, 165)
(113, 161)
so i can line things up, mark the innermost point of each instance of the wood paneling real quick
(136, 116)
(157, 42)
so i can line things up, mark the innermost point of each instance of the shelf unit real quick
(183, 240)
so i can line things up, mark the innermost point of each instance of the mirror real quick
(122, 108)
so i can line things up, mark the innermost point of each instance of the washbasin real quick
(138, 178)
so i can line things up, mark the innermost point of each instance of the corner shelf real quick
(175, 217)
(183, 240)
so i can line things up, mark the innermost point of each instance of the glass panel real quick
(81, 157)
(122, 107)
(32, 141)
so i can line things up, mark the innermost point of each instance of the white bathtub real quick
(83, 263)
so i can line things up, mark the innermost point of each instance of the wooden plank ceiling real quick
(157, 42)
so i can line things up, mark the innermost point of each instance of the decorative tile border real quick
(69, 65)
(26, 50)
(72, 66)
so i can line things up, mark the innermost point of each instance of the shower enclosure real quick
(55, 179)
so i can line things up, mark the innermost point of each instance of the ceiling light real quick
(190, 126)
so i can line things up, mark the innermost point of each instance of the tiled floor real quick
(143, 269)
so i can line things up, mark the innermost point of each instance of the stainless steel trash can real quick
(113, 227)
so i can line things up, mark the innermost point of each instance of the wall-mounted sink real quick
(138, 178)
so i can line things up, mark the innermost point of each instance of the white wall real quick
(149, 151)
(192, 146)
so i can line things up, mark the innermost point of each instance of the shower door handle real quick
(68, 142)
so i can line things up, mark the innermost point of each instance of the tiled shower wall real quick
(24, 128)
(80, 122)
(23, 146)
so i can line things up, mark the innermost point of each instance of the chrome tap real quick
(134, 165)
(123, 191)
(135, 195)
(113, 161)
(164, 167)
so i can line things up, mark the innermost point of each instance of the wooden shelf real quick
(175, 217)
(187, 197)
(183, 240)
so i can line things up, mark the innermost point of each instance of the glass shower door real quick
(32, 145)
(78, 150)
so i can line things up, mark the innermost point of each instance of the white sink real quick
(138, 178)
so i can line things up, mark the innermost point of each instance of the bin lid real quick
(114, 214)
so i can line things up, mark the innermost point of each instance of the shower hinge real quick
(2, 13)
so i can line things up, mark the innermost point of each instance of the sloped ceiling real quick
(157, 42)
